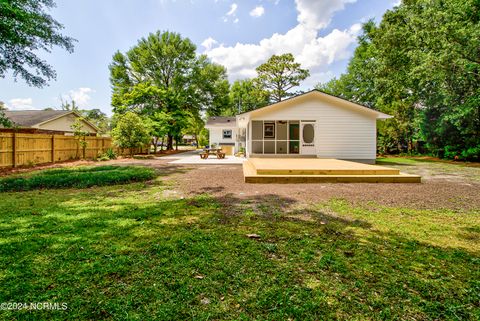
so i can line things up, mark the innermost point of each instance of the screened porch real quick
(280, 137)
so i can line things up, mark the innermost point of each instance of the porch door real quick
(307, 136)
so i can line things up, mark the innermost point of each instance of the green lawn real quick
(132, 252)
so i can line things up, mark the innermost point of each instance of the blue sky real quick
(238, 34)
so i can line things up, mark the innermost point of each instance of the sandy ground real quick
(459, 189)
(444, 185)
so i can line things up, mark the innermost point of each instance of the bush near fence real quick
(20, 149)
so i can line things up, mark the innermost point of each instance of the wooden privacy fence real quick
(19, 149)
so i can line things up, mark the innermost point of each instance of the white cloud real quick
(80, 95)
(257, 11)
(20, 104)
(209, 43)
(313, 52)
(318, 14)
(233, 9)
(231, 14)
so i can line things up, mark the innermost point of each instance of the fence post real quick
(53, 148)
(14, 149)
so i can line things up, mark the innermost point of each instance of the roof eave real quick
(378, 114)
(71, 112)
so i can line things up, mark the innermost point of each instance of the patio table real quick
(216, 151)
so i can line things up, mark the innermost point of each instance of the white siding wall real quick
(216, 136)
(341, 131)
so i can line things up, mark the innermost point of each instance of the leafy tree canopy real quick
(421, 64)
(131, 132)
(279, 75)
(162, 73)
(25, 28)
(247, 95)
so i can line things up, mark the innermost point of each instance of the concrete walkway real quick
(193, 158)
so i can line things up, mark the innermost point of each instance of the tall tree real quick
(195, 125)
(163, 74)
(159, 124)
(246, 95)
(210, 87)
(422, 65)
(364, 84)
(279, 75)
(25, 28)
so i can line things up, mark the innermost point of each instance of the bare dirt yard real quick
(445, 185)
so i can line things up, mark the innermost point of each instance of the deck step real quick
(326, 171)
(296, 179)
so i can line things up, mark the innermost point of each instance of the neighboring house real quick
(49, 121)
(313, 124)
(224, 133)
(188, 139)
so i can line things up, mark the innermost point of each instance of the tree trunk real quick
(196, 140)
(163, 143)
(176, 144)
(155, 143)
(169, 142)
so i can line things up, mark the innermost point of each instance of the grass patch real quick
(129, 253)
(76, 177)
(434, 168)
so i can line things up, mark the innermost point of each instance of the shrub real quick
(110, 153)
(107, 155)
(473, 153)
(131, 132)
(77, 177)
(455, 152)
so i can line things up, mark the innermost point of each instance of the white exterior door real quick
(307, 138)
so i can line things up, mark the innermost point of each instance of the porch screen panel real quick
(282, 131)
(269, 147)
(257, 147)
(282, 147)
(257, 130)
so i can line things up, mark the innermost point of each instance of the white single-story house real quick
(224, 133)
(314, 124)
(49, 120)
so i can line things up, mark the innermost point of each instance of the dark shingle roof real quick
(219, 120)
(29, 118)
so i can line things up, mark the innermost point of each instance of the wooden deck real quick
(309, 170)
